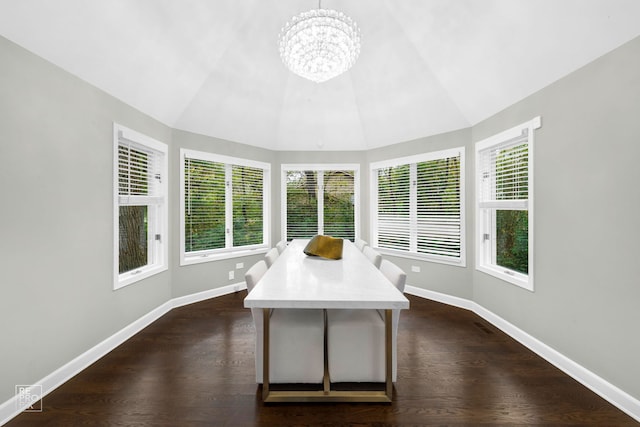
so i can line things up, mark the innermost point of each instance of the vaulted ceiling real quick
(426, 66)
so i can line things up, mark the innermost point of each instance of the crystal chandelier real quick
(320, 44)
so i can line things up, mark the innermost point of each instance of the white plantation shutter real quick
(438, 205)
(419, 206)
(394, 207)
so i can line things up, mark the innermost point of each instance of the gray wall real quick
(56, 297)
(56, 219)
(587, 200)
(443, 278)
(190, 279)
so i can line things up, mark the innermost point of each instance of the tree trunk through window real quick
(133, 238)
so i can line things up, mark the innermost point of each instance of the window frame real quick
(320, 167)
(229, 251)
(486, 240)
(158, 211)
(412, 161)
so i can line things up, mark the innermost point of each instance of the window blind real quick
(505, 174)
(393, 222)
(338, 208)
(138, 170)
(247, 185)
(302, 204)
(204, 205)
(420, 206)
(140, 206)
(438, 207)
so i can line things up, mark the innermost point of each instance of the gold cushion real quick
(325, 247)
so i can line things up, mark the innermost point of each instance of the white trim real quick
(485, 256)
(509, 134)
(219, 158)
(418, 158)
(439, 297)
(159, 251)
(9, 409)
(208, 294)
(229, 251)
(319, 167)
(217, 255)
(617, 397)
(438, 259)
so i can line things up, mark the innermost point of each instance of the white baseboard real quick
(11, 408)
(595, 383)
(208, 294)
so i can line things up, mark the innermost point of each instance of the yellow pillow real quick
(325, 247)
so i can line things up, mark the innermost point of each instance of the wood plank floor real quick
(195, 367)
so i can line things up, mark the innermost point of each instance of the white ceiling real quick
(426, 66)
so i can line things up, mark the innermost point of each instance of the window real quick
(140, 206)
(225, 206)
(320, 199)
(418, 206)
(504, 211)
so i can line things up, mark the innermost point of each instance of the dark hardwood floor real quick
(194, 367)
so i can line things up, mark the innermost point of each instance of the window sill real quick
(515, 278)
(208, 257)
(129, 278)
(460, 262)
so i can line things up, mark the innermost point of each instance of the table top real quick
(296, 280)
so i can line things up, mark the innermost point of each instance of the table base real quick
(327, 395)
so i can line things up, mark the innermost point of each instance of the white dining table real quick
(297, 280)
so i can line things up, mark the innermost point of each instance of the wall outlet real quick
(239, 265)
(232, 275)
(415, 268)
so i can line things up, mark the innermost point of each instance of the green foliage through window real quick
(512, 240)
(337, 190)
(204, 205)
(207, 201)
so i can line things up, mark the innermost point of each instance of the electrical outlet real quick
(239, 265)
(231, 275)
(415, 268)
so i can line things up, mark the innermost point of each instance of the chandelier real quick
(320, 44)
